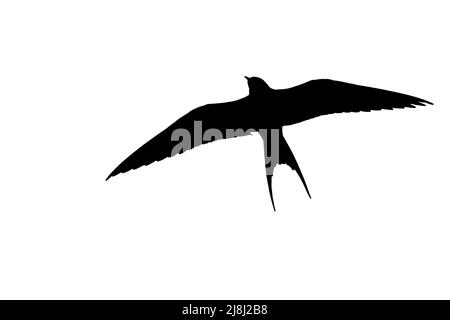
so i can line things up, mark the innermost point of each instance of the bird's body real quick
(267, 111)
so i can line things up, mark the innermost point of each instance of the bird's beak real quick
(246, 77)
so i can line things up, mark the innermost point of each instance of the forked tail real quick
(277, 151)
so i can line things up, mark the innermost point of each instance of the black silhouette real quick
(267, 111)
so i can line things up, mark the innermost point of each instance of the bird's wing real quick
(322, 97)
(166, 144)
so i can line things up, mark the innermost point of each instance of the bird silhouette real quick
(266, 111)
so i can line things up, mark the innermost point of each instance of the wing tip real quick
(121, 169)
(110, 175)
(115, 172)
(421, 103)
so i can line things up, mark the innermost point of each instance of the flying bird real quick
(266, 111)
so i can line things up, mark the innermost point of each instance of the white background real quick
(84, 83)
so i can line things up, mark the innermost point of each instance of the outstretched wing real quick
(322, 97)
(220, 116)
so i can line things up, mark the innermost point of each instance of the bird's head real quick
(257, 85)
